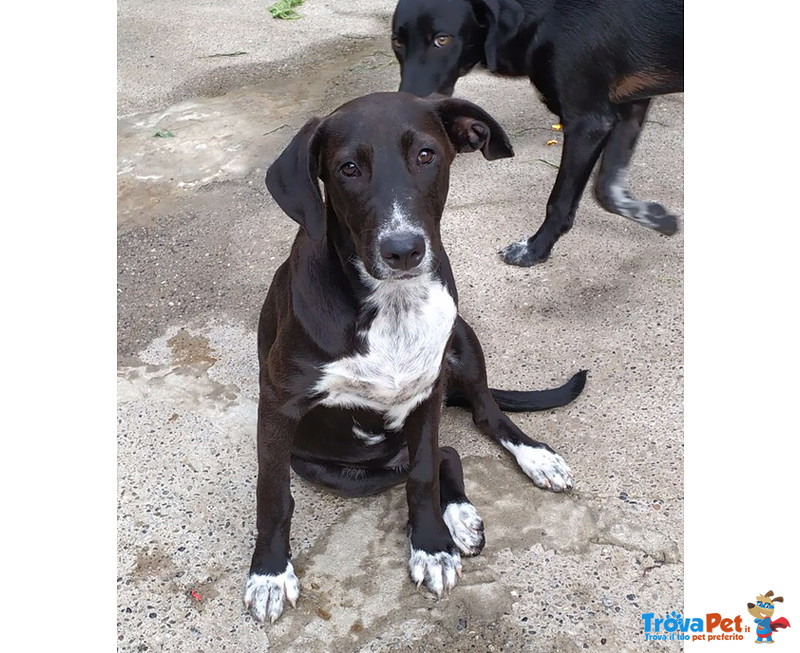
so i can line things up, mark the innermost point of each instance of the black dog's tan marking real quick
(360, 343)
(596, 64)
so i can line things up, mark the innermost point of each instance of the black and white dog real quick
(360, 342)
(595, 63)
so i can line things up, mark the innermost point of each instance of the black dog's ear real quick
(503, 18)
(293, 180)
(470, 128)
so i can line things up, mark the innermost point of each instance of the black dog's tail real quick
(519, 401)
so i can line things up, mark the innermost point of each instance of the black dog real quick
(596, 64)
(359, 340)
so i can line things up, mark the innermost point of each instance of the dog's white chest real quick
(406, 342)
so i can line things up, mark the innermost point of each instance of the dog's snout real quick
(403, 251)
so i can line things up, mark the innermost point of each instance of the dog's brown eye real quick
(349, 169)
(442, 40)
(396, 43)
(425, 156)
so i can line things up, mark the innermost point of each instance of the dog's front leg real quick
(435, 559)
(272, 580)
(584, 138)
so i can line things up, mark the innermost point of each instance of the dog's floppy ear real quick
(292, 180)
(503, 18)
(470, 128)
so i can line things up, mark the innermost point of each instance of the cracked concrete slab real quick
(198, 242)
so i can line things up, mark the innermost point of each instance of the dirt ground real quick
(226, 87)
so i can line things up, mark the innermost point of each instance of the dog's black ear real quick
(470, 128)
(503, 18)
(293, 180)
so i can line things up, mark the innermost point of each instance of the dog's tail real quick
(519, 401)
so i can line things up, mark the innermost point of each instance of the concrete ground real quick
(199, 239)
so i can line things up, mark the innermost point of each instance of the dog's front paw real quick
(265, 594)
(466, 527)
(439, 571)
(545, 468)
(523, 254)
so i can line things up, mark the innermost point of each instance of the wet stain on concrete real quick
(188, 383)
(153, 563)
(191, 350)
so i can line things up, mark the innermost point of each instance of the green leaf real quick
(164, 133)
(284, 9)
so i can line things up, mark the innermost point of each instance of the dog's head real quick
(384, 160)
(765, 606)
(438, 41)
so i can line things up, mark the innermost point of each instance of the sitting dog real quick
(595, 63)
(359, 340)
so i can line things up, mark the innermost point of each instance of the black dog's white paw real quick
(439, 571)
(524, 254)
(466, 527)
(546, 469)
(516, 254)
(265, 595)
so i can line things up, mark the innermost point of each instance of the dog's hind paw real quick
(663, 222)
(466, 527)
(546, 469)
(265, 595)
(654, 216)
(439, 571)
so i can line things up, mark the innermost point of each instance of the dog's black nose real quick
(402, 251)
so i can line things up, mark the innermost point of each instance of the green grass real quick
(284, 9)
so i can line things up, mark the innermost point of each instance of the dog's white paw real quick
(516, 253)
(546, 469)
(265, 595)
(466, 527)
(439, 571)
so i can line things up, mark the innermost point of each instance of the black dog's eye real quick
(396, 43)
(425, 156)
(442, 40)
(349, 169)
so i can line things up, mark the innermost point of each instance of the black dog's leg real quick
(610, 187)
(467, 376)
(435, 559)
(460, 516)
(272, 580)
(584, 137)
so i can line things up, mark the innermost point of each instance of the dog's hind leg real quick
(610, 187)
(348, 481)
(467, 378)
(463, 521)
(584, 137)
